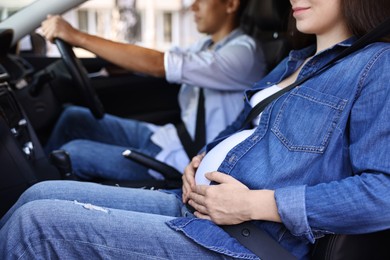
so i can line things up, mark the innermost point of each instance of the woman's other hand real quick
(189, 176)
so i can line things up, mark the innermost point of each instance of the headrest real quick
(267, 15)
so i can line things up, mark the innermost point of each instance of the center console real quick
(22, 159)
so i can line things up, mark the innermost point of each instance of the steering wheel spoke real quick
(80, 78)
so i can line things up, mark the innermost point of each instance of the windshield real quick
(9, 7)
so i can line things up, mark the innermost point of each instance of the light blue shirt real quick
(232, 65)
(323, 147)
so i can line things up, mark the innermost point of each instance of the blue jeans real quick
(96, 146)
(78, 220)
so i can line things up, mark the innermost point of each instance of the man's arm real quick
(128, 56)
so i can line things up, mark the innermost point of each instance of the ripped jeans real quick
(76, 220)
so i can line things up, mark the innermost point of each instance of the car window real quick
(155, 24)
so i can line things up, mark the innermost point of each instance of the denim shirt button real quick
(231, 159)
(245, 232)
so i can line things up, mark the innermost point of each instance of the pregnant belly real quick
(215, 156)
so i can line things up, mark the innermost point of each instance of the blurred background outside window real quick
(156, 24)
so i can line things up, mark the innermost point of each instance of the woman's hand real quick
(56, 27)
(231, 202)
(189, 176)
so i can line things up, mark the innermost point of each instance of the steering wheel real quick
(80, 78)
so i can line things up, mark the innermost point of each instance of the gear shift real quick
(61, 160)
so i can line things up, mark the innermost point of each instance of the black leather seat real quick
(266, 21)
(372, 246)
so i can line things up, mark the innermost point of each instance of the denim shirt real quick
(323, 147)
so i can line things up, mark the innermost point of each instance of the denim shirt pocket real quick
(307, 119)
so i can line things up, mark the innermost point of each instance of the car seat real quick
(267, 21)
(373, 246)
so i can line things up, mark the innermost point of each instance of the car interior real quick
(35, 88)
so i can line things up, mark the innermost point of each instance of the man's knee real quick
(82, 157)
(74, 114)
(79, 149)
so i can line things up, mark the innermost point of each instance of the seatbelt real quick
(250, 236)
(257, 241)
(192, 147)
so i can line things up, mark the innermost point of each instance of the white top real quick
(232, 65)
(215, 156)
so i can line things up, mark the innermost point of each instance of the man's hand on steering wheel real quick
(54, 29)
